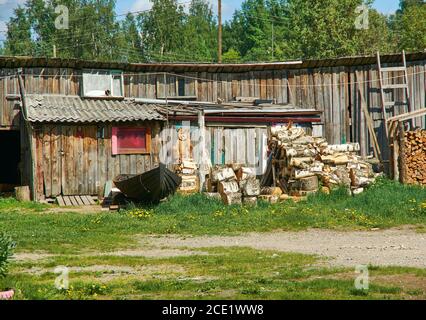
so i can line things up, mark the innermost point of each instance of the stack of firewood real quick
(188, 171)
(300, 162)
(234, 184)
(415, 157)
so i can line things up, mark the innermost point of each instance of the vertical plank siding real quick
(62, 153)
(73, 160)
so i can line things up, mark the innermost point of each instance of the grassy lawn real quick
(385, 205)
(238, 273)
(222, 274)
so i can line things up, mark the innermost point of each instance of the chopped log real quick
(232, 198)
(412, 157)
(339, 148)
(300, 193)
(222, 174)
(189, 182)
(23, 194)
(270, 199)
(213, 195)
(210, 186)
(285, 197)
(250, 201)
(271, 191)
(301, 163)
(325, 190)
(305, 184)
(251, 187)
(228, 186)
(236, 166)
(187, 164)
(337, 159)
(357, 191)
(245, 173)
(300, 152)
(358, 179)
(299, 174)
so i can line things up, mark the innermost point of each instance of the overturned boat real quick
(149, 187)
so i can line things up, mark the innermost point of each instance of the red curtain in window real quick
(130, 140)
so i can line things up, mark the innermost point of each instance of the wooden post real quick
(29, 133)
(219, 40)
(205, 162)
(395, 147)
(22, 193)
(402, 162)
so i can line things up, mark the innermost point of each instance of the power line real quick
(222, 81)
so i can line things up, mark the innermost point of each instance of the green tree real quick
(19, 40)
(231, 56)
(409, 25)
(251, 30)
(130, 41)
(200, 32)
(162, 29)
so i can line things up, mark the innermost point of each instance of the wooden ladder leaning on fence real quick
(397, 124)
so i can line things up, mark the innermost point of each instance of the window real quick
(102, 83)
(181, 87)
(131, 140)
(176, 87)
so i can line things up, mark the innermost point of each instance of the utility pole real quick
(54, 51)
(219, 40)
(273, 41)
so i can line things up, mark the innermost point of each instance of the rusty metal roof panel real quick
(74, 109)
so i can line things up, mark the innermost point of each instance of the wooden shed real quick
(78, 144)
(338, 88)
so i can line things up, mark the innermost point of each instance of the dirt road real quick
(402, 247)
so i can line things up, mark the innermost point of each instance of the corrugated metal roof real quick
(32, 62)
(74, 109)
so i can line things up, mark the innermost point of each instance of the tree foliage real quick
(261, 30)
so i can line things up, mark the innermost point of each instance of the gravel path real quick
(396, 247)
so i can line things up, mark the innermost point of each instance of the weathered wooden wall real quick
(72, 160)
(333, 90)
(330, 89)
(224, 145)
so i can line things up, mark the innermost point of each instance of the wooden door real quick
(79, 160)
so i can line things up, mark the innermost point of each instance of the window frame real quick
(116, 150)
(112, 75)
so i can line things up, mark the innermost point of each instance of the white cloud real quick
(141, 5)
(6, 10)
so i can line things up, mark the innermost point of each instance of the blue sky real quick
(229, 6)
(123, 6)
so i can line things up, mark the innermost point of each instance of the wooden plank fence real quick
(332, 90)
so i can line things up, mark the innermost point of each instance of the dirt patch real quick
(82, 209)
(396, 247)
(404, 281)
(31, 256)
(111, 272)
(153, 253)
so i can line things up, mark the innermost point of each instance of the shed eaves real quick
(74, 109)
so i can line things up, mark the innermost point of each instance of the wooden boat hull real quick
(149, 187)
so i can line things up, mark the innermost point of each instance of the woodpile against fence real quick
(234, 184)
(188, 171)
(300, 163)
(414, 157)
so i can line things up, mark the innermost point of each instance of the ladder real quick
(385, 88)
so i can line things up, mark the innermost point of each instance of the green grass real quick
(385, 205)
(231, 273)
(224, 273)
